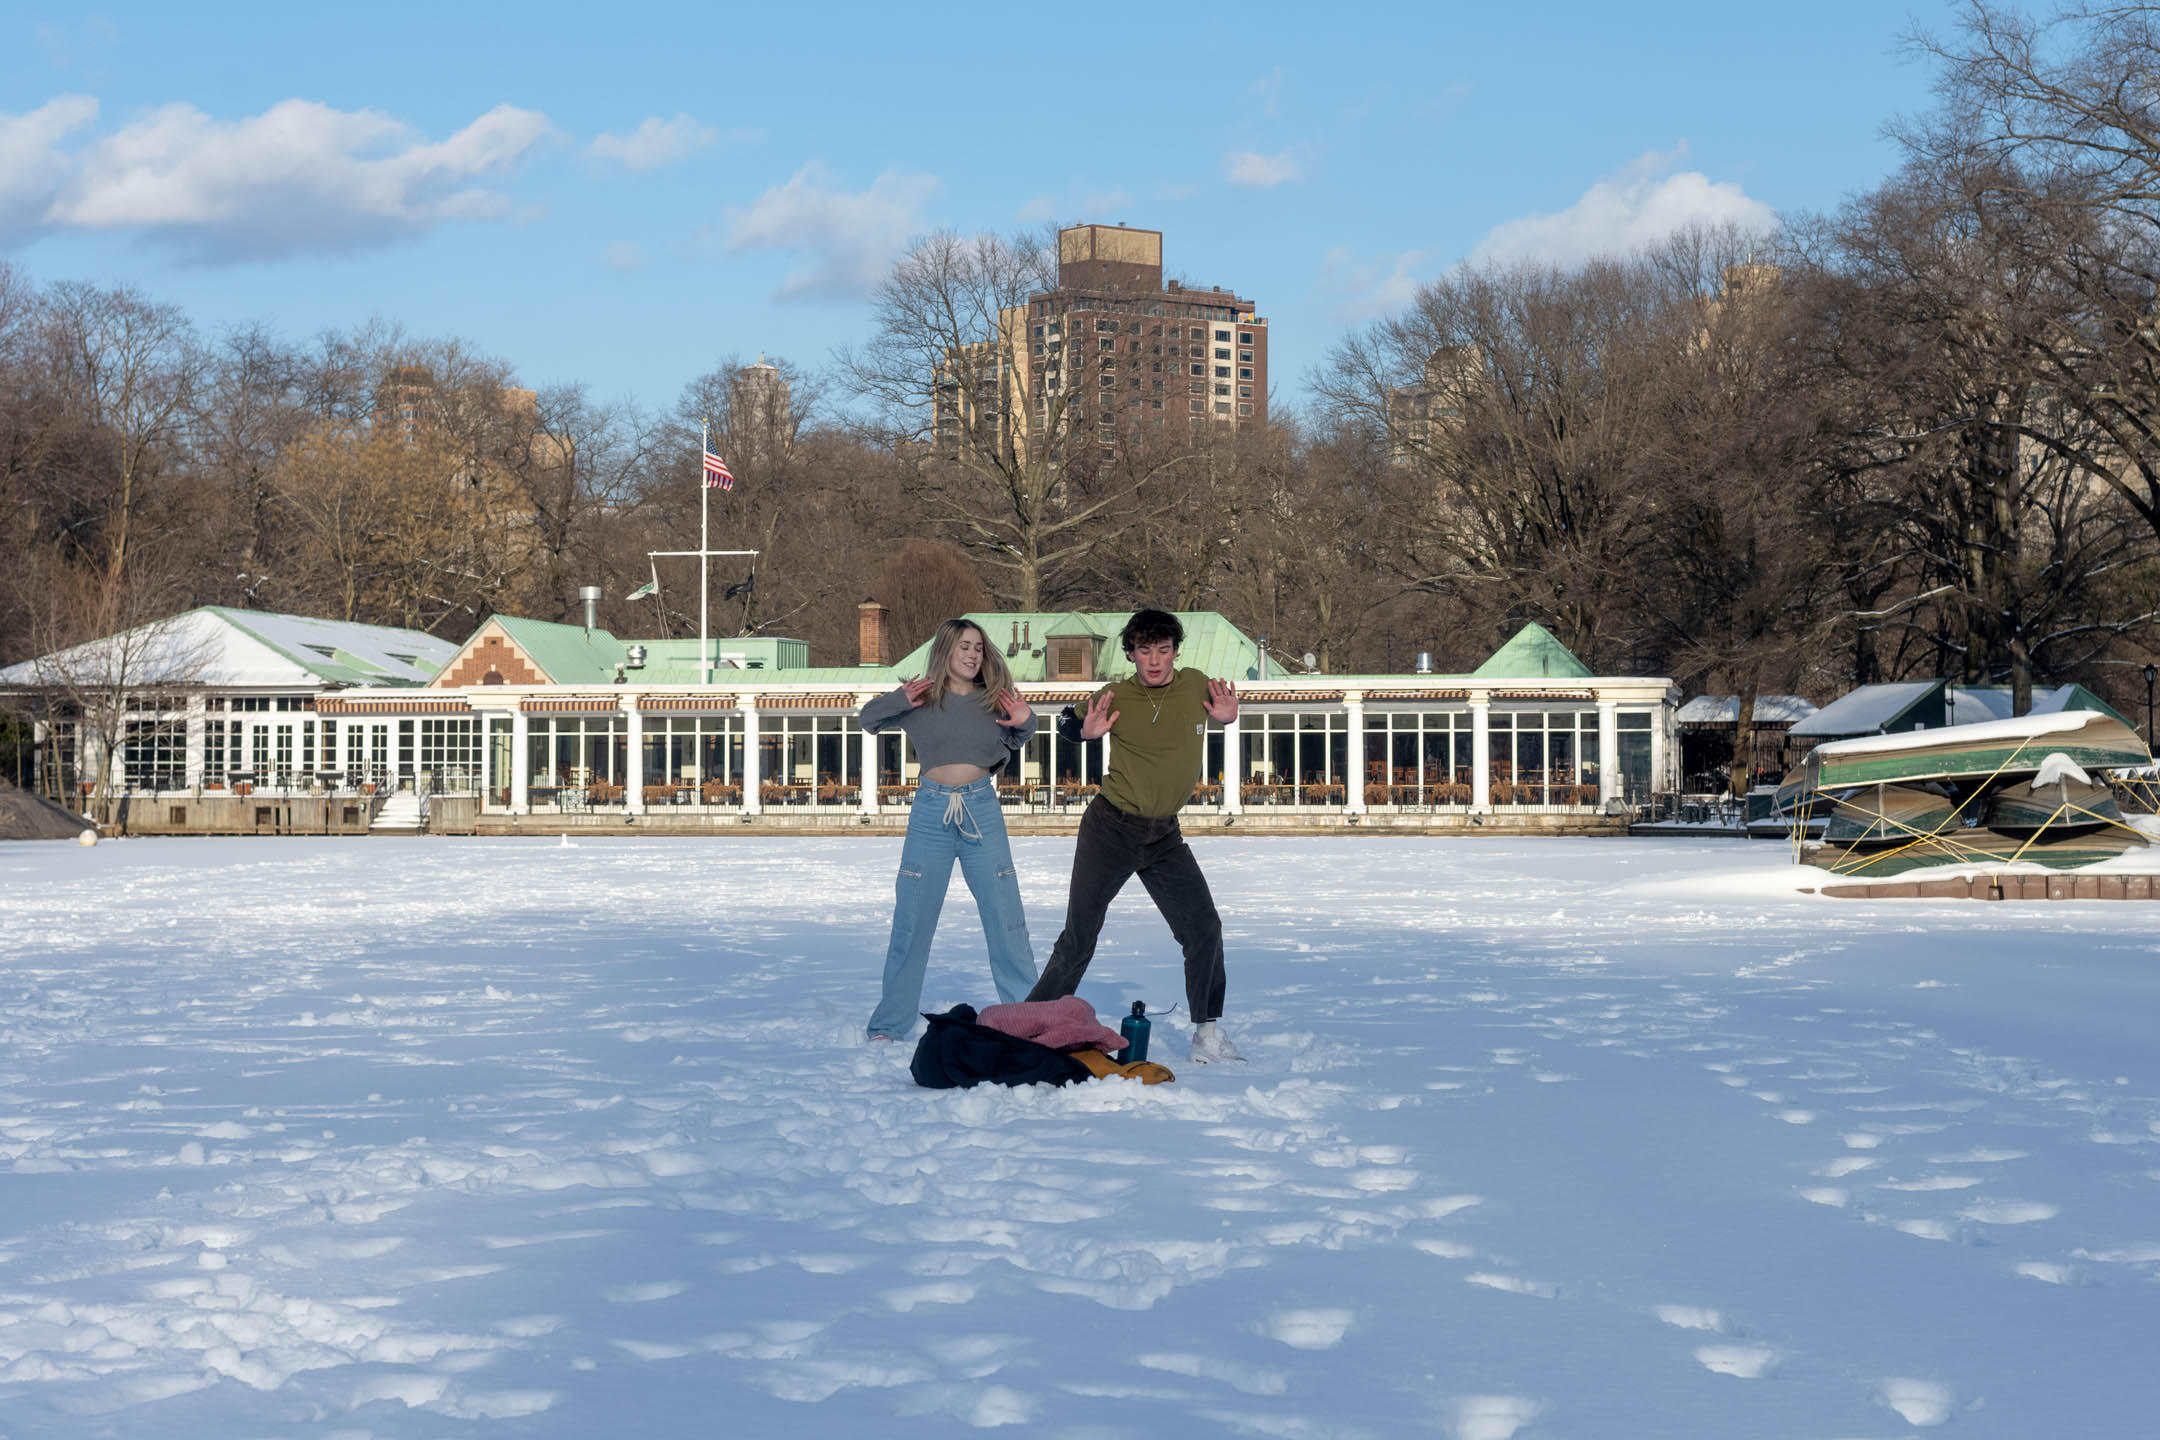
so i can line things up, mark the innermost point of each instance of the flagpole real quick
(704, 544)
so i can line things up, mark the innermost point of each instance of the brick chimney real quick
(870, 634)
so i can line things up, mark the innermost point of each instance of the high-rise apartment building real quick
(1112, 348)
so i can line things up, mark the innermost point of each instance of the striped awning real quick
(1289, 697)
(1543, 695)
(1058, 697)
(806, 702)
(682, 703)
(1381, 695)
(571, 704)
(336, 705)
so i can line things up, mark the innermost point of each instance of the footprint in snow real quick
(1247, 1379)
(1692, 1317)
(2010, 1212)
(1492, 1417)
(1308, 1329)
(1917, 1402)
(1745, 1362)
(1514, 1285)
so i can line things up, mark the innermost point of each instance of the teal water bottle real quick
(1134, 1028)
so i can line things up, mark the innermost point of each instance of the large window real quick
(1544, 757)
(450, 752)
(156, 755)
(576, 752)
(1292, 758)
(810, 758)
(695, 756)
(1422, 756)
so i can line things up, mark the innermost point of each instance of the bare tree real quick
(130, 367)
(923, 583)
(116, 663)
(2008, 534)
(1011, 446)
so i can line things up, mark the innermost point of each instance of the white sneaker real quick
(1210, 1045)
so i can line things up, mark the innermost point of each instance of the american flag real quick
(716, 472)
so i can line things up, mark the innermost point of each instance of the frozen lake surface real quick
(1587, 1138)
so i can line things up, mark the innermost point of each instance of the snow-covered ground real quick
(427, 1137)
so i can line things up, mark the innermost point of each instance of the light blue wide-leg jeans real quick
(948, 823)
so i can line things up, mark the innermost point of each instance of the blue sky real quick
(624, 194)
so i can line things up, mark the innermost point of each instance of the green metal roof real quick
(1533, 653)
(1212, 644)
(566, 654)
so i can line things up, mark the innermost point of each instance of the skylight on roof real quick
(407, 659)
(328, 652)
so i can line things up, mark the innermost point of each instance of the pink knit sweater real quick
(1067, 1023)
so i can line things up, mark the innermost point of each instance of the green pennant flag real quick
(650, 587)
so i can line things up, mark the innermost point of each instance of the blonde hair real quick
(994, 676)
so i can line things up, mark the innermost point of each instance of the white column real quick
(520, 764)
(750, 776)
(196, 727)
(869, 759)
(1480, 752)
(1608, 751)
(1354, 783)
(1661, 750)
(482, 723)
(634, 757)
(1233, 769)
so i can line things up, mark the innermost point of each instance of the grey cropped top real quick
(962, 733)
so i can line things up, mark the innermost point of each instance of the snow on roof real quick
(2024, 727)
(216, 645)
(1866, 710)
(346, 651)
(1725, 710)
(1968, 703)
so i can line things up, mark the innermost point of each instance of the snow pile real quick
(414, 1137)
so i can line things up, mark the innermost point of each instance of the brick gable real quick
(491, 659)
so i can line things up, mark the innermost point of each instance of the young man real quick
(1157, 723)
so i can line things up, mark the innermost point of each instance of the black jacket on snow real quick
(956, 1053)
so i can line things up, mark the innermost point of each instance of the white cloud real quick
(1268, 91)
(32, 165)
(299, 178)
(1262, 172)
(654, 143)
(852, 237)
(1376, 287)
(622, 255)
(1639, 206)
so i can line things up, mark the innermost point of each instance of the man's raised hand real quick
(1099, 718)
(1221, 701)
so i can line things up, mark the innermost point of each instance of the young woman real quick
(965, 722)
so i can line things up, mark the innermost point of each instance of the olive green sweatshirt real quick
(1156, 744)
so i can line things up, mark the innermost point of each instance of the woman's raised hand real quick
(916, 689)
(1099, 718)
(1013, 711)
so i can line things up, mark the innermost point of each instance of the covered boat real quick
(1993, 748)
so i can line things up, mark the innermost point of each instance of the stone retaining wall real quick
(2000, 887)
